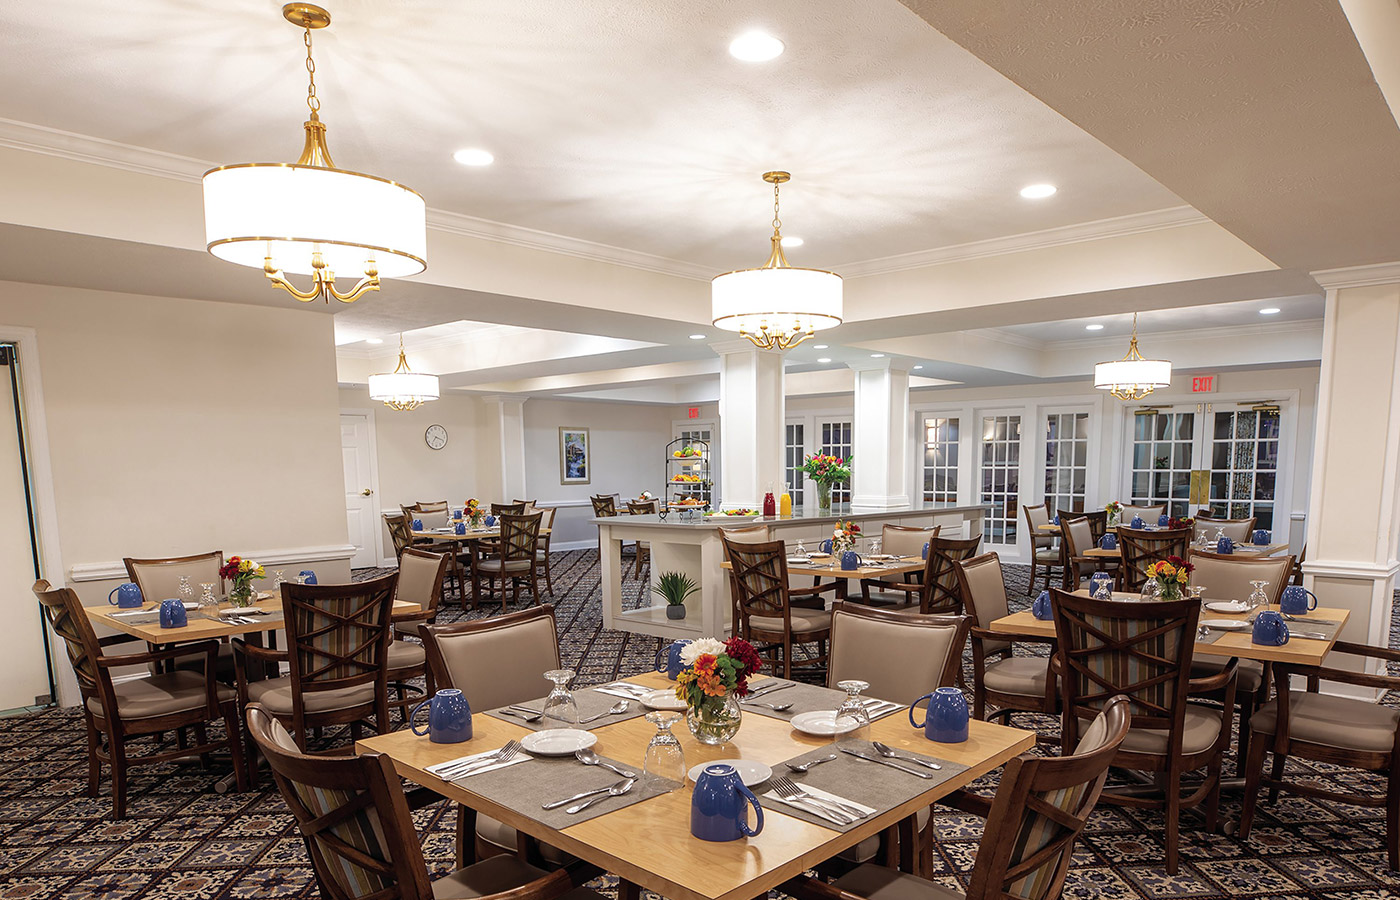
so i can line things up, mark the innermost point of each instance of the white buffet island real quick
(694, 547)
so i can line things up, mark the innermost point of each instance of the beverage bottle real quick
(785, 505)
(770, 506)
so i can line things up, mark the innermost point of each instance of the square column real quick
(505, 418)
(751, 416)
(1354, 507)
(879, 435)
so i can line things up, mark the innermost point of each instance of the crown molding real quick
(1358, 276)
(1136, 223)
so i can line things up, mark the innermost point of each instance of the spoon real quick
(807, 765)
(616, 709)
(616, 790)
(589, 758)
(776, 707)
(889, 752)
(1202, 632)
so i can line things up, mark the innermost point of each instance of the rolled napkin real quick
(519, 757)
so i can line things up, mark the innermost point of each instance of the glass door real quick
(1164, 454)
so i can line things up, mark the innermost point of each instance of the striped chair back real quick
(1140, 549)
(399, 531)
(604, 506)
(338, 634)
(509, 509)
(519, 536)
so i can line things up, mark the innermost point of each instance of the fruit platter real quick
(687, 453)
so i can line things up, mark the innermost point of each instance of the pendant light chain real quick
(777, 222)
(312, 101)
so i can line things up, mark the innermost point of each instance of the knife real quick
(1310, 635)
(885, 762)
(763, 692)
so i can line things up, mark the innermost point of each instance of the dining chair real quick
(117, 711)
(433, 514)
(494, 662)
(942, 593)
(337, 658)
(546, 531)
(400, 531)
(1046, 555)
(1098, 520)
(604, 506)
(642, 508)
(159, 579)
(1077, 536)
(902, 656)
(1228, 577)
(420, 581)
(1296, 576)
(1041, 806)
(767, 616)
(1338, 731)
(357, 824)
(1138, 550)
(1008, 682)
(1143, 650)
(1150, 514)
(903, 541)
(509, 509)
(1241, 531)
(516, 559)
(750, 534)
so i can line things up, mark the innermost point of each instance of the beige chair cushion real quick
(508, 566)
(986, 598)
(160, 582)
(1249, 676)
(406, 654)
(1048, 555)
(866, 849)
(897, 599)
(417, 576)
(1202, 727)
(159, 695)
(804, 621)
(1239, 531)
(752, 534)
(430, 519)
(408, 626)
(904, 543)
(499, 834)
(1333, 721)
(1021, 675)
(1150, 514)
(500, 666)
(1229, 579)
(1081, 536)
(901, 662)
(879, 883)
(276, 695)
(283, 738)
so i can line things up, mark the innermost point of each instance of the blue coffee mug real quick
(1096, 578)
(850, 560)
(1224, 545)
(128, 596)
(1041, 607)
(1136, 523)
(489, 521)
(1270, 629)
(947, 716)
(1295, 600)
(309, 575)
(672, 664)
(456, 514)
(1163, 521)
(1108, 542)
(717, 810)
(1055, 520)
(925, 550)
(825, 546)
(449, 717)
(460, 527)
(1262, 537)
(417, 524)
(172, 614)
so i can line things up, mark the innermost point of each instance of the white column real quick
(751, 420)
(506, 420)
(880, 435)
(1354, 508)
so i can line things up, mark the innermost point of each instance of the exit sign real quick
(693, 412)
(1204, 384)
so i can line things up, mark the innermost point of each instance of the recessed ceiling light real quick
(1037, 191)
(824, 359)
(876, 355)
(473, 156)
(1094, 327)
(755, 46)
(792, 240)
(1270, 311)
(697, 337)
(374, 340)
(918, 367)
(820, 346)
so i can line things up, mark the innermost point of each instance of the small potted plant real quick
(674, 588)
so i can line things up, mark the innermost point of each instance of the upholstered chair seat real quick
(1022, 675)
(404, 654)
(275, 694)
(509, 565)
(804, 621)
(1339, 722)
(160, 695)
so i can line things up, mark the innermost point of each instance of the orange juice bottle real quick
(785, 505)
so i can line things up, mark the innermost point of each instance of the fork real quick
(510, 748)
(848, 808)
(793, 795)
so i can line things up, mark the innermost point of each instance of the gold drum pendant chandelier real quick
(1132, 377)
(403, 389)
(776, 305)
(310, 218)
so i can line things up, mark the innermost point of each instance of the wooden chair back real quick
(434, 514)
(760, 580)
(941, 591)
(495, 661)
(400, 531)
(1140, 549)
(159, 577)
(1141, 650)
(64, 613)
(604, 506)
(901, 655)
(642, 508)
(1098, 520)
(337, 637)
(508, 509)
(529, 504)
(421, 574)
(520, 536)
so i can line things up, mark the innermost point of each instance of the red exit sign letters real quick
(1204, 384)
(693, 412)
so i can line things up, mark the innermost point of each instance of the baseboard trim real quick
(559, 547)
(105, 571)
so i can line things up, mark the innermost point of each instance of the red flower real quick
(742, 652)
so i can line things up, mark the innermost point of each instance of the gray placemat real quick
(866, 783)
(525, 787)
(804, 698)
(1215, 635)
(590, 703)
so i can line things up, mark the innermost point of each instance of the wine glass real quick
(1260, 597)
(560, 707)
(1196, 591)
(801, 549)
(665, 757)
(185, 592)
(278, 578)
(1103, 589)
(875, 546)
(207, 601)
(1151, 590)
(852, 712)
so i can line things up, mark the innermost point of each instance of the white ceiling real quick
(1184, 318)
(623, 124)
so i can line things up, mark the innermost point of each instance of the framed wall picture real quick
(573, 456)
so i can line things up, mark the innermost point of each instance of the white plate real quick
(822, 723)
(1225, 624)
(558, 742)
(750, 773)
(798, 560)
(1227, 606)
(663, 700)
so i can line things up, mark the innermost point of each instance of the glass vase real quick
(241, 595)
(716, 720)
(823, 498)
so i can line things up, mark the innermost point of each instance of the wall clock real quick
(436, 436)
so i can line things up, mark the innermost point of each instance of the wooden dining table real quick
(198, 628)
(649, 845)
(830, 567)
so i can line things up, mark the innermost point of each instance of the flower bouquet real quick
(241, 573)
(474, 514)
(1171, 575)
(1186, 522)
(826, 471)
(843, 538)
(1114, 510)
(714, 677)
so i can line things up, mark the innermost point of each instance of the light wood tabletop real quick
(1249, 550)
(832, 569)
(484, 534)
(1237, 644)
(649, 843)
(199, 627)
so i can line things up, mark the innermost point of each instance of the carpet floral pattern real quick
(183, 840)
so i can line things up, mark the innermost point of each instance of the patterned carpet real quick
(183, 840)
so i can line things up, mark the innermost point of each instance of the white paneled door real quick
(22, 639)
(360, 503)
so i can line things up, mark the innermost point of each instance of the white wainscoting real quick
(104, 571)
